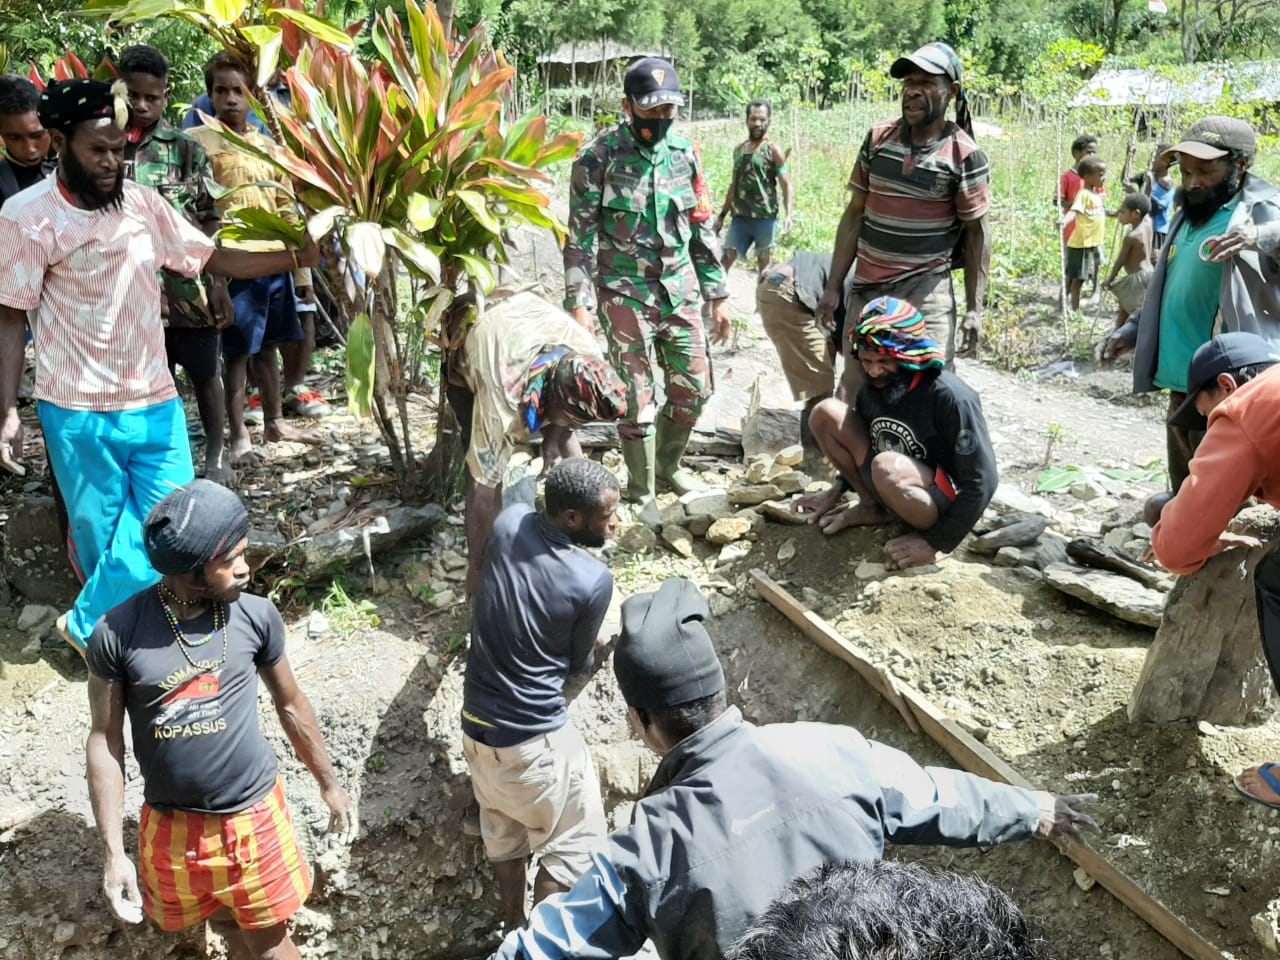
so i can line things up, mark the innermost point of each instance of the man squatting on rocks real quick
(759, 169)
(787, 297)
(642, 254)
(914, 446)
(889, 910)
(1234, 382)
(919, 198)
(182, 658)
(735, 812)
(525, 368)
(1219, 270)
(83, 250)
(537, 622)
(195, 310)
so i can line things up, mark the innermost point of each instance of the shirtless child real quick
(1135, 256)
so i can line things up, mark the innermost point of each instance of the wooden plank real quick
(827, 637)
(976, 757)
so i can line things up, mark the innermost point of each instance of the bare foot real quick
(859, 515)
(909, 550)
(276, 431)
(816, 505)
(1251, 783)
(220, 472)
(241, 454)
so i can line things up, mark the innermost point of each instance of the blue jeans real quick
(112, 469)
(744, 232)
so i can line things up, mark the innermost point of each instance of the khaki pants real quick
(539, 797)
(804, 347)
(932, 294)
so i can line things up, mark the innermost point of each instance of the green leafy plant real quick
(412, 163)
(347, 614)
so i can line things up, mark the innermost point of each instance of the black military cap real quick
(651, 82)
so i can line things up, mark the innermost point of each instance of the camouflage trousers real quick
(639, 331)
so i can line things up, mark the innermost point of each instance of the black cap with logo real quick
(1222, 354)
(651, 82)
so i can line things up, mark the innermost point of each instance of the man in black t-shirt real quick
(182, 659)
(915, 446)
(541, 602)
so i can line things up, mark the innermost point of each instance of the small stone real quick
(748, 494)
(64, 932)
(678, 539)
(1082, 879)
(869, 569)
(793, 481)
(698, 526)
(317, 624)
(1206, 729)
(780, 511)
(721, 604)
(1266, 927)
(791, 456)
(732, 552)
(758, 468)
(445, 598)
(673, 512)
(31, 648)
(1086, 490)
(637, 538)
(451, 560)
(728, 530)
(706, 503)
(36, 617)
(1142, 531)
(787, 551)
(1116, 538)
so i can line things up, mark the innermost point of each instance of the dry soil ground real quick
(1044, 677)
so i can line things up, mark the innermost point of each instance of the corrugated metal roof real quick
(593, 51)
(1200, 83)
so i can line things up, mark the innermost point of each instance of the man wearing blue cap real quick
(1233, 383)
(919, 198)
(642, 256)
(735, 812)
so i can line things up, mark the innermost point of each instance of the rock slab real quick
(1110, 592)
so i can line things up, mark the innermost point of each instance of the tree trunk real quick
(445, 8)
(1206, 662)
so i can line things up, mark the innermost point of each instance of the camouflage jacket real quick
(640, 223)
(177, 166)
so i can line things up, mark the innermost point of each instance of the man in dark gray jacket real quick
(1219, 269)
(735, 812)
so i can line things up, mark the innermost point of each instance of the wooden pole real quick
(974, 757)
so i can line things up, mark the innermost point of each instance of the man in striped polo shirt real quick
(920, 195)
(86, 247)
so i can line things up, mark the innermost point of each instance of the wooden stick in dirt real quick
(975, 757)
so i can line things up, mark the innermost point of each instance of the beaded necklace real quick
(219, 623)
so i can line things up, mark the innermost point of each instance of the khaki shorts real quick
(804, 348)
(930, 293)
(539, 797)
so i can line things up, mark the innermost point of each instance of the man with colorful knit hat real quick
(914, 447)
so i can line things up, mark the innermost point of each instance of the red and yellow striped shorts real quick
(194, 864)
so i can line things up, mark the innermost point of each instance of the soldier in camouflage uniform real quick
(759, 168)
(194, 310)
(641, 252)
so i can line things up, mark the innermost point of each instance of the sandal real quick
(1264, 771)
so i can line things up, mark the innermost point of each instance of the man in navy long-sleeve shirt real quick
(541, 602)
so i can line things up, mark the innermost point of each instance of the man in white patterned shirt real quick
(86, 247)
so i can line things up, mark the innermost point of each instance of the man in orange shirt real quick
(1234, 382)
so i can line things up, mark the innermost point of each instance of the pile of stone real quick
(729, 517)
(1102, 561)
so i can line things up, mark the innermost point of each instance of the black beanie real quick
(665, 656)
(195, 525)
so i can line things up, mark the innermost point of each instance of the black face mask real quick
(650, 131)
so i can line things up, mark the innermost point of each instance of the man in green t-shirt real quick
(1219, 269)
(759, 168)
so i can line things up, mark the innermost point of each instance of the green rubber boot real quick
(671, 444)
(638, 455)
